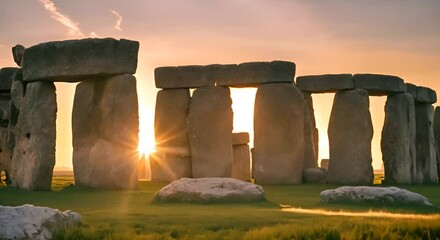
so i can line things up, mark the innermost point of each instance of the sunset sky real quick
(396, 37)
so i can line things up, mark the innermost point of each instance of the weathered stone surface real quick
(105, 128)
(437, 136)
(315, 175)
(251, 74)
(328, 83)
(6, 79)
(241, 165)
(192, 76)
(210, 132)
(373, 195)
(17, 94)
(17, 53)
(171, 122)
(421, 94)
(379, 85)
(111, 166)
(210, 190)
(241, 138)
(75, 60)
(279, 134)
(350, 133)
(426, 160)
(32, 222)
(398, 139)
(426, 95)
(310, 159)
(167, 167)
(35, 133)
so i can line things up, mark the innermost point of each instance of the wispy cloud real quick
(93, 34)
(118, 20)
(62, 18)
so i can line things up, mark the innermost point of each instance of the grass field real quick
(131, 215)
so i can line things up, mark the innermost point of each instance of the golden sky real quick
(396, 37)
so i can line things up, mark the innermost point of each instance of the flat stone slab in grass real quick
(249, 74)
(328, 83)
(240, 138)
(374, 195)
(210, 190)
(32, 222)
(6, 79)
(379, 85)
(75, 60)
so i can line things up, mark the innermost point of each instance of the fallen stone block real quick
(328, 83)
(241, 138)
(33, 222)
(210, 190)
(379, 85)
(76, 60)
(373, 195)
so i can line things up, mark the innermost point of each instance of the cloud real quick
(94, 35)
(62, 18)
(118, 20)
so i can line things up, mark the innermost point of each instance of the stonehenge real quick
(105, 122)
(193, 123)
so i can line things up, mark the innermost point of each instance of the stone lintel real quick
(378, 84)
(328, 83)
(249, 74)
(76, 60)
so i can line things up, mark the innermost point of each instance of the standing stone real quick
(17, 94)
(437, 136)
(279, 134)
(105, 128)
(171, 121)
(425, 144)
(210, 132)
(350, 133)
(167, 167)
(241, 167)
(310, 157)
(398, 139)
(34, 153)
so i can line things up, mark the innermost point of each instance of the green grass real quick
(131, 215)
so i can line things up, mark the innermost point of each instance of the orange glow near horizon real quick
(243, 101)
(146, 130)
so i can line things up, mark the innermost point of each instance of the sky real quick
(395, 37)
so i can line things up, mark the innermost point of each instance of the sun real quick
(146, 133)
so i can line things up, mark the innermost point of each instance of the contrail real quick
(118, 20)
(63, 19)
